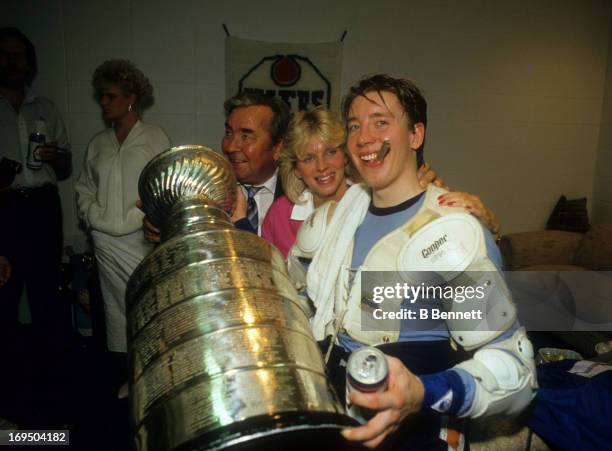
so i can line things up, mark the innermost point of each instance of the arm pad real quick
(505, 376)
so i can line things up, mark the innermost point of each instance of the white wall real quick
(602, 189)
(515, 87)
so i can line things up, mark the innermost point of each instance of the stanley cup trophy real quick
(221, 352)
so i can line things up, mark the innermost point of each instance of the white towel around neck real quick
(324, 273)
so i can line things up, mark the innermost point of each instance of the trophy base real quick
(295, 431)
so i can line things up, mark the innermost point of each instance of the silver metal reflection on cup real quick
(221, 352)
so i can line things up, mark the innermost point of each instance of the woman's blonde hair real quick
(304, 125)
(126, 75)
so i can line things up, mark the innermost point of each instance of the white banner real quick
(303, 75)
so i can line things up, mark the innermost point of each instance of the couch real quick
(559, 250)
(583, 262)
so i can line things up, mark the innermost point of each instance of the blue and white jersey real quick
(379, 222)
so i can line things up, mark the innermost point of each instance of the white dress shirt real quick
(15, 130)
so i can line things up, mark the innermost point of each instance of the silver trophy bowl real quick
(220, 348)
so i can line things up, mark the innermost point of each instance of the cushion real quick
(595, 250)
(569, 215)
(543, 247)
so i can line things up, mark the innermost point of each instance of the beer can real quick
(367, 371)
(33, 160)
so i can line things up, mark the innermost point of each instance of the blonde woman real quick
(107, 189)
(313, 170)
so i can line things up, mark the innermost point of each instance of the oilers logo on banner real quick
(293, 78)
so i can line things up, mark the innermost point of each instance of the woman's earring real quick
(130, 107)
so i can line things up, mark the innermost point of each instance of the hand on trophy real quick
(151, 233)
(240, 206)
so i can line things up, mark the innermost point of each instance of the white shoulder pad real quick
(311, 232)
(452, 249)
(445, 246)
(505, 377)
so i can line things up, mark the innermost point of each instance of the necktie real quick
(252, 213)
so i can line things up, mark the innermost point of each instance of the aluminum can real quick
(367, 371)
(33, 160)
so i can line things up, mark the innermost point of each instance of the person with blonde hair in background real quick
(107, 189)
(313, 170)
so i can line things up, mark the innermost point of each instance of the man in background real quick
(33, 156)
(255, 125)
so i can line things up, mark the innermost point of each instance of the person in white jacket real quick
(107, 189)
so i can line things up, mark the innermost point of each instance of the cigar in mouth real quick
(384, 150)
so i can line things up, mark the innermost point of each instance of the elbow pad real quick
(505, 377)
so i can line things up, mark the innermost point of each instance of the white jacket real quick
(107, 189)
